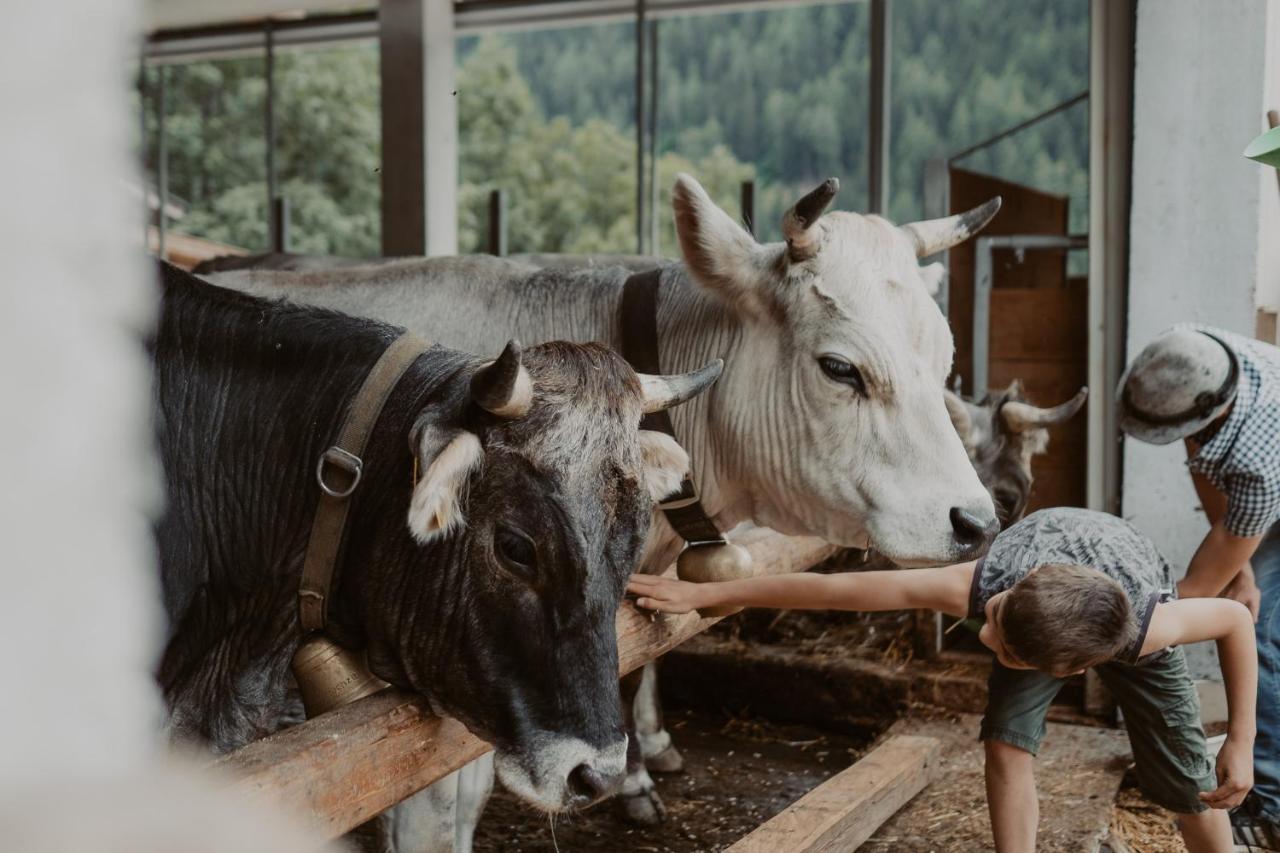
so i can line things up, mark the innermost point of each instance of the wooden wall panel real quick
(1039, 324)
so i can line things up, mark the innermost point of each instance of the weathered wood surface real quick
(346, 766)
(844, 811)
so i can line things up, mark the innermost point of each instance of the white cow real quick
(829, 419)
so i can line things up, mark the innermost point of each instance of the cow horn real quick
(797, 223)
(959, 412)
(503, 386)
(931, 236)
(1020, 417)
(663, 392)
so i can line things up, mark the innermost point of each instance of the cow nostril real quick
(971, 529)
(587, 782)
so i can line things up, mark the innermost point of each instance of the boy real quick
(1061, 591)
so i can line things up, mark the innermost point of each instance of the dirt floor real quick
(1078, 773)
(740, 772)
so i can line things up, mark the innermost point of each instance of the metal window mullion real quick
(144, 151)
(275, 229)
(640, 124)
(162, 162)
(878, 120)
(653, 139)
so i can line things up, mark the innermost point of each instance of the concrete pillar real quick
(419, 128)
(1198, 214)
(1110, 132)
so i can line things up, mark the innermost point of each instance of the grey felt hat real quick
(1178, 385)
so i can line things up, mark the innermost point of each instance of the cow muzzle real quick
(973, 529)
(558, 773)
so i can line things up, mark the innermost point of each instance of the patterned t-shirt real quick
(1243, 459)
(1078, 537)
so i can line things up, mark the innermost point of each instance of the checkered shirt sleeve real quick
(1250, 473)
(1253, 504)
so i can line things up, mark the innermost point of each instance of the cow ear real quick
(445, 464)
(719, 253)
(665, 463)
(933, 275)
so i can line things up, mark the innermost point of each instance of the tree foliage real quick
(778, 96)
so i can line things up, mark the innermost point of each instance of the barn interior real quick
(556, 127)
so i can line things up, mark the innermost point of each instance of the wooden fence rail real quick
(346, 766)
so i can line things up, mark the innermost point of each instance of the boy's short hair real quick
(1063, 618)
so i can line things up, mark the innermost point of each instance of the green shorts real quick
(1161, 712)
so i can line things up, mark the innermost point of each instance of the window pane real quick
(328, 147)
(548, 116)
(965, 70)
(778, 95)
(216, 137)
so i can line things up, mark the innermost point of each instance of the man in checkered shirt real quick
(1220, 393)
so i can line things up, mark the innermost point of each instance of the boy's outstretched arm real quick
(945, 589)
(1230, 624)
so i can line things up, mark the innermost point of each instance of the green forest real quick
(778, 96)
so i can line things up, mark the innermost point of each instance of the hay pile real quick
(1141, 826)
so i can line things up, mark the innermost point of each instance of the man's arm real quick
(1221, 563)
(1230, 624)
(1219, 559)
(945, 589)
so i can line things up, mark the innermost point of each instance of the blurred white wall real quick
(79, 609)
(80, 763)
(1204, 220)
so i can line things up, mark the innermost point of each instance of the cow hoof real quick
(668, 761)
(643, 809)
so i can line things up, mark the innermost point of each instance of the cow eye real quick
(515, 550)
(841, 371)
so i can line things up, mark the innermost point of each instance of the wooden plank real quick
(344, 767)
(844, 811)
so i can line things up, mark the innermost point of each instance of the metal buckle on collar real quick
(343, 460)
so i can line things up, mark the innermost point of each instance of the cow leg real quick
(660, 756)
(638, 800)
(475, 784)
(425, 822)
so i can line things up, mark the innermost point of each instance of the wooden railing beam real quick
(342, 768)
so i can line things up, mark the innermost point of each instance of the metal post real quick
(653, 139)
(878, 130)
(747, 194)
(640, 45)
(279, 224)
(497, 222)
(274, 227)
(162, 162)
(144, 150)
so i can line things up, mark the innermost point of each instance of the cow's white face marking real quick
(884, 466)
(540, 776)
